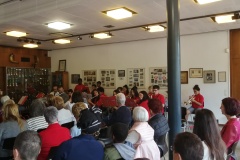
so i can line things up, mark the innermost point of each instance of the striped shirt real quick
(36, 123)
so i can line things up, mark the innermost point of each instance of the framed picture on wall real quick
(121, 73)
(158, 76)
(107, 77)
(136, 77)
(89, 77)
(62, 65)
(184, 77)
(74, 78)
(222, 76)
(209, 76)
(195, 72)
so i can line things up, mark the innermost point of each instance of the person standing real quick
(79, 87)
(157, 95)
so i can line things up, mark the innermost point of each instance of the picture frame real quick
(222, 76)
(209, 76)
(121, 73)
(184, 77)
(158, 76)
(74, 78)
(195, 72)
(62, 65)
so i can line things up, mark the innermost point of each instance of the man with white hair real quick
(122, 114)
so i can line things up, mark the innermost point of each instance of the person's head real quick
(88, 122)
(196, 89)
(36, 108)
(79, 80)
(99, 83)
(134, 92)
(50, 100)
(115, 92)
(230, 107)
(155, 105)
(125, 89)
(143, 96)
(95, 93)
(100, 90)
(7, 102)
(4, 99)
(55, 88)
(120, 99)
(77, 97)
(70, 92)
(140, 114)
(150, 89)
(94, 86)
(187, 146)
(119, 132)
(60, 89)
(77, 108)
(120, 89)
(156, 89)
(206, 128)
(27, 145)
(51, 115)
(58, 102)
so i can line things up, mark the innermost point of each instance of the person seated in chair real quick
(121, 148)
(27, 146)
(187, 146)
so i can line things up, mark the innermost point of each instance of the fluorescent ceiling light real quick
(205, 1)
(62, 41)
(30, 45)
(119, 13)
(155, 28)
(224, 18)
(16, 34)
(59, 25)
(102, 35)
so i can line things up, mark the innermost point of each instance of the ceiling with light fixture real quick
(86, 18)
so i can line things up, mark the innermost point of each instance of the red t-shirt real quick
(199, 98)
(161, 98)
(79, 87)
(99, 103)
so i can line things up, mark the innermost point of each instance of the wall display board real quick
(89, 77)
(158, 76)
(108, 78)
(136, 77)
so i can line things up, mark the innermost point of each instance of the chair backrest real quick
(8, 143)
(52, 152)
(184, 112)
(232, 150)
(41, 129)
(162, 144)
(68, 125)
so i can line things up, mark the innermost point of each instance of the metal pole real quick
(174, 71)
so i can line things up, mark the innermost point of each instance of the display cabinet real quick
(60, 78)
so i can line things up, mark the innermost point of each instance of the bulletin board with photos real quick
(89, 77)
(108, 78)
(158, 76)
(136, 77)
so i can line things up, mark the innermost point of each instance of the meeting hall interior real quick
(91, 52)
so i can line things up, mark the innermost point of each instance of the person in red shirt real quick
(54, 135)
(134, 95)
(197, 101)
(144, 101)
(79, 87)
(125, 90)
(157, 95)
(150, 91)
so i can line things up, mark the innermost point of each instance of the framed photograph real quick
(209, 76)
(74, 78)
(195, 72)
(121, 73)
(62, 65)
(184, 77)
(158, 76)
(222, 76)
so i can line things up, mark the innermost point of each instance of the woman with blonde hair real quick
(11, 126)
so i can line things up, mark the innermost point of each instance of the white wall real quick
(205, 51)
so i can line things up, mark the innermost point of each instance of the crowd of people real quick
(136, 132)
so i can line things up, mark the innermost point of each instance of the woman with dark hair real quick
(115, 92)
(125, 90)
(197, 101)
(158, 122)
(206, 127)
(94, 99)
(231, 130)
(76, 97)
(134, 95)
(144, 101)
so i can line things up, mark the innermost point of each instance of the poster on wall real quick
(136, 77)
(89, 77)
(108, 78)
(158, 76)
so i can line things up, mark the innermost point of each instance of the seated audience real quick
(121, 149)
(84, 146)
(144, 101)
(157, 95)
(206, 128)
(4, 99)
(187, 146)
(76, 97)
(54, 91)
(231, 130)
(50, 100)
(64, 115)
(63, 94)
(27, 146)
(37, 120)
(158, 122)
(141, 136)
(54, 135)
(11, 126)
(122, 114)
